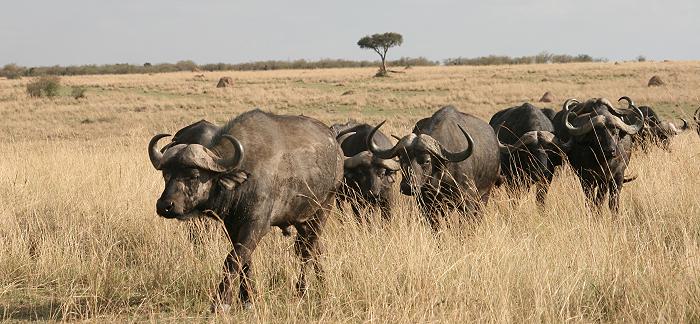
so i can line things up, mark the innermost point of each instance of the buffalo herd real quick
(262, 170)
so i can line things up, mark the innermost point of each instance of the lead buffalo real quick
(443, 166)
(529, 149)
(261, 170)
(367, 178)
(598, 145)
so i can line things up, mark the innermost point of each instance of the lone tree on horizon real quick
(381, 43)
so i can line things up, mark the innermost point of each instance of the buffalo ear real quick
(232, 180)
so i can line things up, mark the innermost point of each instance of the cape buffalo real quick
(529, 149)
(367, 178)
(260, 170)
(598, 145)
(655, 131)
(443, 166)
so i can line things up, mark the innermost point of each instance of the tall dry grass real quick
(80, 239)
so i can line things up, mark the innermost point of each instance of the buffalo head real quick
(421, 157)
(368, 174)
(536, 153)
(598, 126)
(664, 130)
(190, 172)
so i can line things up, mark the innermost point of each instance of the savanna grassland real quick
(80, 239)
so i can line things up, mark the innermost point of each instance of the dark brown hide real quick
(291, 170)
(450, 161)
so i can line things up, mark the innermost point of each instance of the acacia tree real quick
(381, 43)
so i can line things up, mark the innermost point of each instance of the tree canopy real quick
(381, 43)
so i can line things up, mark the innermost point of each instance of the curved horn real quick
(378, 152)
(167, 146)
(630, 106)
(237, 158)
(459, 156)
(527, 139)
(616, 111)
(696, 116)
(685, 124)
(573, 130)
(362, 158)
(568, 103)
(153, 153)
(638, 125)
(504, 149)
(396, 137)
(630, 103)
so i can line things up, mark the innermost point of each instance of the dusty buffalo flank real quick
(81, 240)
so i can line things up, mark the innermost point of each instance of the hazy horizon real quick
(79, 32)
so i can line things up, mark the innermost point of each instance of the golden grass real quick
(80, 238)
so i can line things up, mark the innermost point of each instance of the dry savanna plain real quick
(80, 239)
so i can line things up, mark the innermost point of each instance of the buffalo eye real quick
(191, 174)
(423, 159)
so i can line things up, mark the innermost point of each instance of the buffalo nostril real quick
(165, 206)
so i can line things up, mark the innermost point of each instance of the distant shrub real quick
(641, 58)
(78, 92)
(186, 65)
(46, 86)
(12, 71)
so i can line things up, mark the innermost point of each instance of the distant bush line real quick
(13, 71)
(542, 58)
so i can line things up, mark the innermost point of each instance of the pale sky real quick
(74, 32)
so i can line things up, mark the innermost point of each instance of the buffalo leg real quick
(589, 186)
(308, 247)
(239, 261)
(600, 195)
(615, 188)
(433, 214)
(385, 209)
(355, 205)
(542, 188)
(430, 210)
